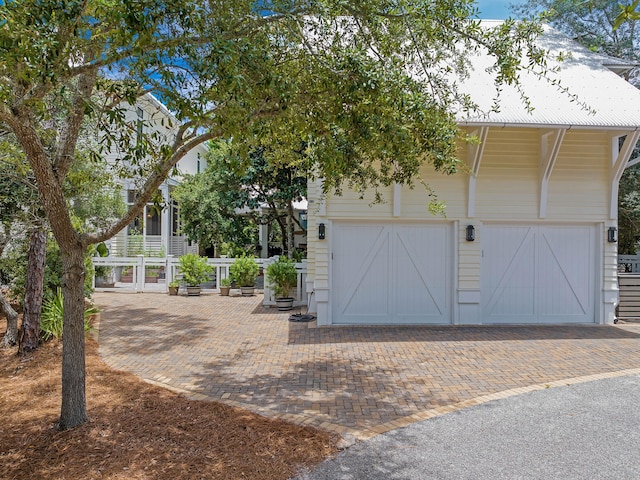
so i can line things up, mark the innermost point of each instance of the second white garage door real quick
(391, 274)
(538, 274)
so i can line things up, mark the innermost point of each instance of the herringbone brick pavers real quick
(353, 380)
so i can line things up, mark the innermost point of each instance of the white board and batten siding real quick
(522, 268)
(538, 274)
(391, 273)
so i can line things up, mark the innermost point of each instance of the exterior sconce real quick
(321, 231)
(471, 233)
(612, 235)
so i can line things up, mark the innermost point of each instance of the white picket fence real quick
(165, 270)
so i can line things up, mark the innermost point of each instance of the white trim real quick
(633, 162)
(397, 199)
(476, 152)
(567, 126)
(550, 143)
(620, 159)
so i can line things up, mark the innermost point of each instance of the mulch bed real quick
(137, 430)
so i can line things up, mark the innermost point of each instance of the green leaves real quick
(627, 13)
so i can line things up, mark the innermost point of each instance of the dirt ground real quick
(136, 430)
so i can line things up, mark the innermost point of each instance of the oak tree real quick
(368, 87)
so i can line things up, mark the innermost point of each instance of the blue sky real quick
(495, 9)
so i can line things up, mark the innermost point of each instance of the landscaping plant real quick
(282, 276)
(51, 319)
(194, 269)
(244, 271)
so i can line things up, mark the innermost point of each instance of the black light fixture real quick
(321, 232)
(612, 235)
(471, 233)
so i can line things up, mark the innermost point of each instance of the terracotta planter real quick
(224, 291)
(174, 290)
(284, 303)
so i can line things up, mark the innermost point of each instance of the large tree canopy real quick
(227, 201)
(594, 24)
(367, 87)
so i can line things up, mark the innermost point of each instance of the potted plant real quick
(104, 276)
(282, 277)
(195, 270)
(127, 275)
(174, 287)
(225, 287)
(244, 271)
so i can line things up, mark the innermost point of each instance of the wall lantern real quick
(471, 233)
(612, 235)
(321, 231)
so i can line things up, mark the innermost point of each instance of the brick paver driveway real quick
(353, 380)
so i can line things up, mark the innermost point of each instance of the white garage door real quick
(391, 274)
(538, 274)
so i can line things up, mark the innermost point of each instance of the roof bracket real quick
(550, 144)
(475, 157)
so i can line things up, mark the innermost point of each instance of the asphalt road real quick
(585, 431)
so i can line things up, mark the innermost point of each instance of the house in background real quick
(156, 232)
(529, 235)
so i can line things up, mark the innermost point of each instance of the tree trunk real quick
(30, 334)
(11, 336)
(74, 409)
(283, 233)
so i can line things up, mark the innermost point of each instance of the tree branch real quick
(73, 123)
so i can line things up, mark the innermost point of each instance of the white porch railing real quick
(300, 293)
(166, 269)
(629, 263)
(131, 245)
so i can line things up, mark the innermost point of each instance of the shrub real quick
(52, 316)
(282, 276)
(244, 271)
(195, 269)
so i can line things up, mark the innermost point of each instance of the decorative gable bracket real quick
(550, 143)
(619, 161)
(475, 158)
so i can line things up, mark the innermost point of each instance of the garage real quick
(538, 274)
(391, 273)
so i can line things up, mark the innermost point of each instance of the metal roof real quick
(589, 95)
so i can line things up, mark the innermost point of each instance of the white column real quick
(263, 238)
(165, 222)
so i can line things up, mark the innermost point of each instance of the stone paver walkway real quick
(357, 381)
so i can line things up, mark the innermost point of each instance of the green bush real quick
(244, 271)
(13, 268)
(194, 269)
(52, 316)
(282, 276)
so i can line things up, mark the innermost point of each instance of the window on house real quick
(140, 113)
(154, 221)
(175, 219)
(135, 227)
